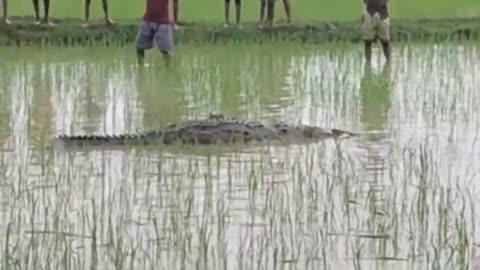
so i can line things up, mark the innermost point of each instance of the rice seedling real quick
(402, 195)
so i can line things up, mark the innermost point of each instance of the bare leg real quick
(108, 21)
(387, 68)
(36, 10)
(270, 12)
(286, 5)
(238, 12)
(46, 6)
(227, 11)
(262, 11)
(5, 12)
(386, 50)
(166, 58)
(87, 11)
(175, 11)
(368, 52)
(140, 56)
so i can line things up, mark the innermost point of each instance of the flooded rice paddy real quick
(402, 195)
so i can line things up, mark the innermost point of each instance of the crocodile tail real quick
(93, 139)
(143, 135)
(108, 139)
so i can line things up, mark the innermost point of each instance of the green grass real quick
(210, 10)
(410, 22)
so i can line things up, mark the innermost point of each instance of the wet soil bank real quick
(70, 32)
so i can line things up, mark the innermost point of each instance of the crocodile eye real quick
(283, 130)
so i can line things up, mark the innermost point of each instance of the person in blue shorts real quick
(156, 27)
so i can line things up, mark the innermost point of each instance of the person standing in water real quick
(156, 27)
(4, 18)
(238, 9)
(376, 26)
(270, 11)
(108, 21)
(46, 10)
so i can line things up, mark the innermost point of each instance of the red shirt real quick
(157, 11)
(379, 6)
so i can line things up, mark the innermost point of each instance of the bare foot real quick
(85, 25)
(5, 21)
(284, 21)
(38, 21)
(47, 22)
(109, 22)
(330, 26)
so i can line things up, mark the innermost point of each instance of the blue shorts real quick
(150, 32)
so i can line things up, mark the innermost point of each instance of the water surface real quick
(401, 196)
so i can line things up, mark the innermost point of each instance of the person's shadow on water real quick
(375, 92)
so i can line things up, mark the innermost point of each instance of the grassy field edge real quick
(69, 32)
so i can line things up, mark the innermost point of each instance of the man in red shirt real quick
(108, 21)
(156, 27)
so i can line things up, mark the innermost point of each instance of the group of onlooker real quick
(156, 26)
(266, 6)
(46, 12)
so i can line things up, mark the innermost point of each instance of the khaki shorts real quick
(373, 27)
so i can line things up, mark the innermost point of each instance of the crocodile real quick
(214, 129)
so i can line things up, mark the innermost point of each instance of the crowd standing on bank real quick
(161, 15)
(265, 6)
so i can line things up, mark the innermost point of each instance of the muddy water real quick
(401, 196)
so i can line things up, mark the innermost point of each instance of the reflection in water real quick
(5, 107)
(161, 95)
(371, 202)
(95, 97)
(252, 86)
(41, 109)
(375, 92)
